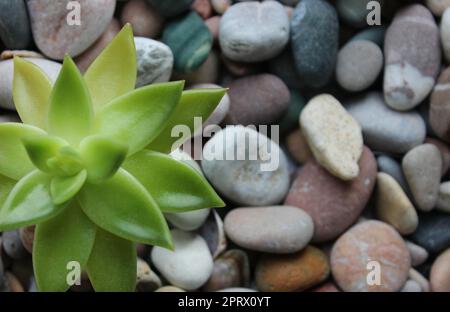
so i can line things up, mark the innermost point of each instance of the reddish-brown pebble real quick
(213, 24)
(203, 8)
(327, 287)
(143, 17)
(298, 147)
(333, 204)
(293, 272)
(365, 250)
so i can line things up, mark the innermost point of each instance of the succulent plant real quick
(89, 165)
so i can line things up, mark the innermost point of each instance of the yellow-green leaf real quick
(14, 160)
(41, 148)
(29, 202)
(122, 206)
(63, 189)
(193, 103)
(58, 243)
(114, 71)
(70, 113)
(174, 185)
(31, 93)
(136, 118)
(112, 264)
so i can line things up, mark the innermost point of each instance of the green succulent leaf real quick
(31, 93)
(193, 103)
(102, 157)
(14, 160)
(112, 264)
(70, 113)
(114, 72)
(58, 242)
(29, 202)
(63, 189)
(136, 118)
(41, 148)
(6, 185)
(175, 186)
(122, 206)
(67, 163)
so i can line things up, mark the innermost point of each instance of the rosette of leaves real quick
(89, 165)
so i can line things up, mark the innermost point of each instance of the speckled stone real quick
(170, 8)
(232, 269)
(315, 41)
(15, 32)
(257, 100)
(422, 167)
(190, 41)
(292, 272)
(412, 54)
(358, 65)
(55, 37)
(154, 61)
(333, 204)
(254, 31)
(338, 151)
(384, 129)
(440, 106)
(365, 242)
(433, 232)
(143, 17)
(393, 206)
(277, 229)
(440, 273)
(246, 181)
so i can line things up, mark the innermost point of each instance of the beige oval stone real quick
(443, 202)
(333, 135)
(440, 273)
(393, 206)
(437, 6)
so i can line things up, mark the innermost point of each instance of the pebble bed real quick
(360, 199)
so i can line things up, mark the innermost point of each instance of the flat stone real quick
(338, 151)
(440, 106)
(333, 204)
(15, 32)
(254, 31)
(292, 272)
(359, 246)
(154, 61)
(422, 167)
(412, 57)
(315, 41)
(393, 206)
(55, 37)
(440, 271)
(245, 180)
(189, 266)
(190, 41)
(276, 229)
(267, 104)
(433, 232)
(384, 129)
(358, 65)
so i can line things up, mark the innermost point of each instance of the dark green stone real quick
(190, 41)
(170, 8)
(15, 29)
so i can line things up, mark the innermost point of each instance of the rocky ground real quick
(361, 192)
